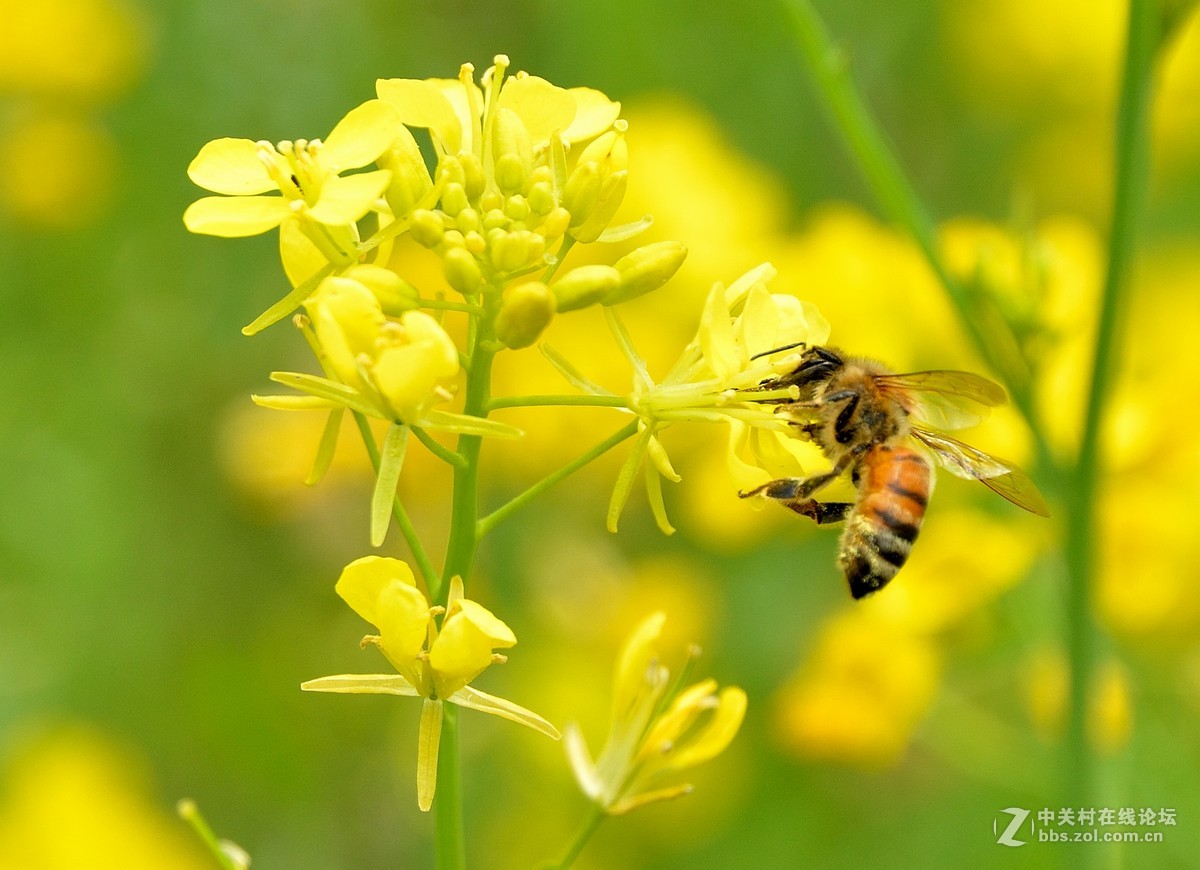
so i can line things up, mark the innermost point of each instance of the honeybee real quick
(881, 427)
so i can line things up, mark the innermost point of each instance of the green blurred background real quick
(160, 601)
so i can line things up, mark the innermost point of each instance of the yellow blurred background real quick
(166, 579)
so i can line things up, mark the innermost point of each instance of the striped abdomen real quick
(893, 488)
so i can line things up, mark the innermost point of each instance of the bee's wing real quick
(1002, 478)
(945, 399)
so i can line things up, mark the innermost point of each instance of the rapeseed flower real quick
(434, 660)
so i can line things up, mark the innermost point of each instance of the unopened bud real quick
(526, 311)
(410, 177)
(584, 286)
(609, 200)
(645, 269)
(395, 295)
(608, 148)
(516, 250)
(462, 271)
(454, 198)
(582, 192)
(513, 150)
(427, 228)
(474, 178)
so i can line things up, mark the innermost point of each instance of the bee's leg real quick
(792, 490)
(822, 512)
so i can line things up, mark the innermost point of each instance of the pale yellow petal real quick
(364, 579)
(485, 703)
(301, 258)
(234, 217)
(361, 136)
(344, 199)
(715, 734)
(632, 802)
(425, 103)
(715, 335)
(544, 108)
(362, 684)
(635, 660)
(402, 617)
(231, 166)
(581, 762)
(594, 114)
(464, 646)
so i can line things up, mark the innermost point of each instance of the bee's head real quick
(817, 365)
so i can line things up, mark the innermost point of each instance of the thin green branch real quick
(591, 822)
(830, 70)
(438, 449)
(1132, 172)
(403, 521)
(507, 510)
(571, 400)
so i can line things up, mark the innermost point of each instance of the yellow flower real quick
(434, 663)
(647, 742)
(307, 174)
(747, 335)
(507, 191)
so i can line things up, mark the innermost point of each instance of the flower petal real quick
(483, 702)
(361, 136)
(364, 580)
(715, 734)
(637, 658)
(594, 113)
(231, 166)
(464, 645)
(648, 797)
(344, 199)
(544, 108)
(362, 684)
(426, 103)
(234, 217)
(581, 762)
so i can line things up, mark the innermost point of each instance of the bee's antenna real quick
(778, 349)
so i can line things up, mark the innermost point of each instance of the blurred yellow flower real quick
(434, 663)
(71, 799)
(861, 694)
(60, 62)
(1109, 706)
(651, 737)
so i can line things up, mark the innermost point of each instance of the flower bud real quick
(462, 271)
(513, 150)
(474, 178)
(526, 311)
(582, 192)
(516, 250)
(584, 286)
(609, 200)
(646, 268)
(395, 295)
(410, 176)
(454, 198)
(427, 228)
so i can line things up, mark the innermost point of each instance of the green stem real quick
(558, 401)
(505, 511)
(190, 813)
(403, 521)
(1132, 171)
(591, 822)
(442, 452)
(460, 555)
(447, 806)
(830, 70)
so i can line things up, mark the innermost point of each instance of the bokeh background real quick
(166, 581)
